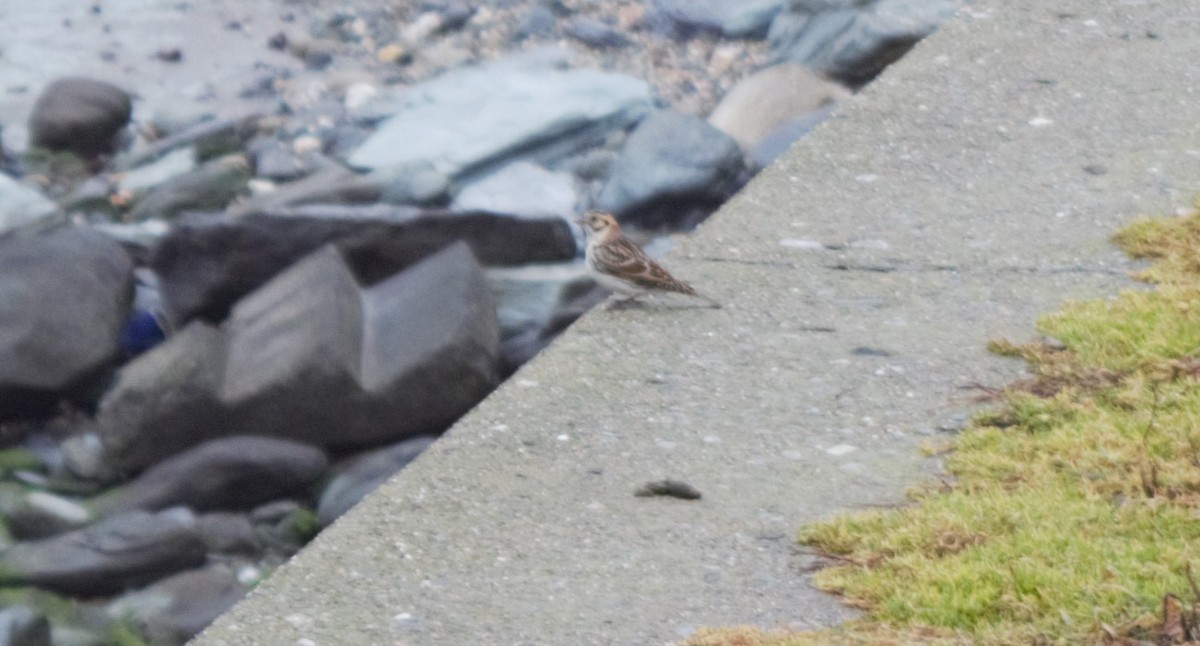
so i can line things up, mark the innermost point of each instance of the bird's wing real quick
(622, 259)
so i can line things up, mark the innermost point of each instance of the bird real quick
(617, 264)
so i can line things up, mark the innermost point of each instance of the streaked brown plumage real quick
(620, 266)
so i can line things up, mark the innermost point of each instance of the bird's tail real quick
(712, 302)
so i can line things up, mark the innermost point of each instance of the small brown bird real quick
(618, 265)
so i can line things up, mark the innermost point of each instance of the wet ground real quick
(222, 45)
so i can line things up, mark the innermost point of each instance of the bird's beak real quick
(579, 220)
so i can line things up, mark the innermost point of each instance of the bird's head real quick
(599, 224)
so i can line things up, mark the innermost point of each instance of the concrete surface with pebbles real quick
(970, 188)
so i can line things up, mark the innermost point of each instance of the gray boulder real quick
(229, 473)
(471, 117)
(313, 357)
(670, 162)
(163, 402)
(364, 474)
(79, 115)
(23, 626)
(431, 347)
(22, 206)
(417, 184)
(852, 40)
(177, 608)
(123, 551)
(736, 19)
(206, 264)
(64, 297)
(520, 188)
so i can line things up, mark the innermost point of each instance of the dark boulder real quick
(79, 115)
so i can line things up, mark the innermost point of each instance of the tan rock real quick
(770, 98)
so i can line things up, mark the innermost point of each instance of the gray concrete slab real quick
(969, 189)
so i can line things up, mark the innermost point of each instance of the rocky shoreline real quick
(223, 323)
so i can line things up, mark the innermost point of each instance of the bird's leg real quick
(624, 303)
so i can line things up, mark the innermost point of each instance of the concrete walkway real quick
(970, 188)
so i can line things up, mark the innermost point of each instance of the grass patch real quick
(1073, 509)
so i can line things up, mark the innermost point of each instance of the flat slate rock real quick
(229, 473)
(467, 118)
(124, 551)
(523, 189)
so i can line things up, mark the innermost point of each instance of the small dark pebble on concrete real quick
(672, 488)
(866, 351)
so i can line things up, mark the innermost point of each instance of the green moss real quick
(1074, 509)
(17, 459)
(122, 633)
(56, 608)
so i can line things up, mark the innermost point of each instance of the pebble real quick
(840, 450)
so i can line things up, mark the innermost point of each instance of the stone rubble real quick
(337, 255)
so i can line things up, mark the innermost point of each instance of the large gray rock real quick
(471, 117)
(852, 40)
(177, 608)
(669, 162)
(313, 357)
(520, 188)
(64, 297)
(431, 348)
(363, 474)
(735, 19)
(229, 473)
(22, 206)
(79, 115)
(124, 551)
(163, 402)
(23, 626)
(205, 265)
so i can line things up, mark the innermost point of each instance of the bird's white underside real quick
(615, 284)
